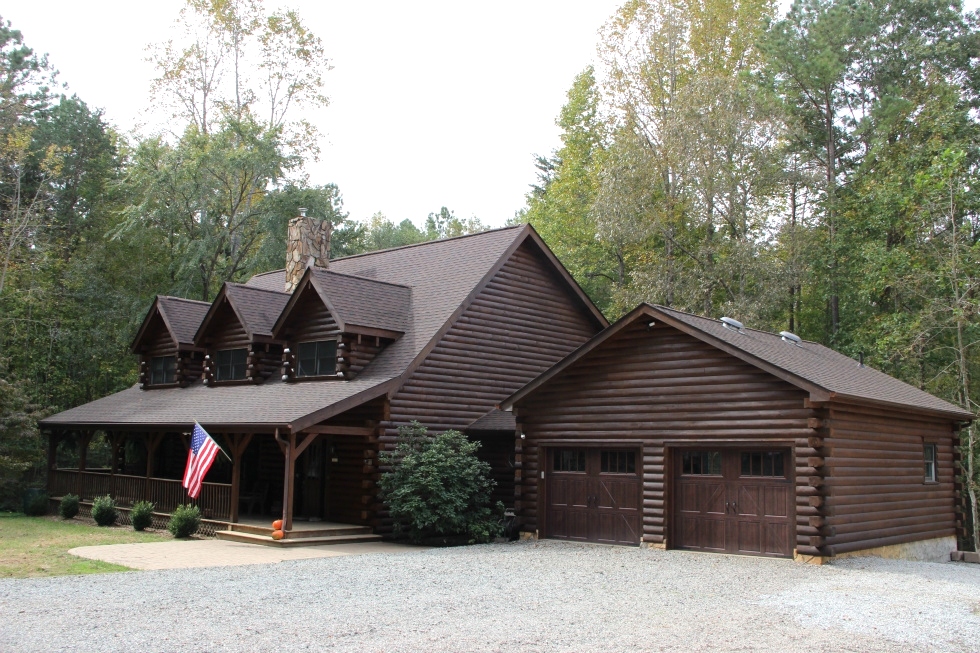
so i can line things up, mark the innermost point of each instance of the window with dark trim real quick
(701, 463)
(316, 358)
(617, 462)
(231, 364)
(569, 460)
(763, 463)
(929, 457)
(162, 369)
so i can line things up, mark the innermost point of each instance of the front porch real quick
(320, 482)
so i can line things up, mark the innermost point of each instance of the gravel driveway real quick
(527, 596)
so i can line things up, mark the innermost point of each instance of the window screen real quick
(569, 460)
(317, 358)
(701, 463)
(231, 364)
(763, 463)
(617, 462)
(929, 455)
(162, 369)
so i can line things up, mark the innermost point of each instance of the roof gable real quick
(357, 304)
(821, 371)
(179, 317)
(255, 309)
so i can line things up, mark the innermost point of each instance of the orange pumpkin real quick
(277, 525)
(277, 534)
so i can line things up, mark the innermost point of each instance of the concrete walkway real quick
(218, 553)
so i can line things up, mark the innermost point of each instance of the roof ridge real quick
(256, 288)
(747, 328)
(184, 299)
(358, 277)
(428, 242)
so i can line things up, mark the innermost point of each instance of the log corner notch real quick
(812, 528)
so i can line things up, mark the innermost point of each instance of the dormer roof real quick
(181, 318)
(256, 309)
(357, 304)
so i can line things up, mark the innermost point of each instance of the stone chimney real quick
(307, 244)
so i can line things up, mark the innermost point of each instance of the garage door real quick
(594, 495)
(734, 501)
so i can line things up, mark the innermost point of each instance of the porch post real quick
(288, 483)
(238, 444)
(52, 457)
(152, 442)
(84, 438)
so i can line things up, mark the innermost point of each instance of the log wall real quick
(651, 387)
(876, 492)
(521, 323)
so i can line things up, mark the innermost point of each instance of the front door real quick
(594, 495)
(734, 501)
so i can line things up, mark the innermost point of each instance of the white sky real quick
(432, 103)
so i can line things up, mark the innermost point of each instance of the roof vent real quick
(791, 338)
(732, 324)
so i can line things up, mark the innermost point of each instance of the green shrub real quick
(141, 515)
(184, 521)
(37, 505)
(68, 507)
(436, 486)
(104, 511)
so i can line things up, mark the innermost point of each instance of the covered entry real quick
(734, 500)
(594, 495)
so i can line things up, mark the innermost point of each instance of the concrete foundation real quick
(935, 550)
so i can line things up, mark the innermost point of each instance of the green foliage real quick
(184, 521)
(438, 487)
(141, 515)
(37, 505)
(68, 507)
(104, 511)
(21, 451)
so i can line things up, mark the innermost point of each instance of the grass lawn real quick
(38, 546)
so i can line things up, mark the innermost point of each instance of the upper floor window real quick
(162, 369)
(231, 364)
(317, 358)
(929, 456)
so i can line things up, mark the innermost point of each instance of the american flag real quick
(202, 453)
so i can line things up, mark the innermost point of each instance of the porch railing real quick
(165, 493)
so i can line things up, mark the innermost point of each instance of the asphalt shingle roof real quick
(183, 315)
(365, 302)
(819, 365)
(441, 275)
(495, 420)
(258, 307)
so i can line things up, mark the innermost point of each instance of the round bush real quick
(141, 515)
(184, 521)
(104, 511)
(37, 505)
(68, 507)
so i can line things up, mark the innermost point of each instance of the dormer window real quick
(162, 369)
(231, 364)
(317, 358)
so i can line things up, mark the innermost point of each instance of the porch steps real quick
(306, 536)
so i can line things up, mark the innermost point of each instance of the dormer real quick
(335, 324)
(165, 343)
(236, 335)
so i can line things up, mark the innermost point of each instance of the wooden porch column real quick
(291, 451)
(237, 443)
(152, 442)
(53, 439)
(84, 439)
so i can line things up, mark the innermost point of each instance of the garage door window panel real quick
(569, 460)
(701, 463)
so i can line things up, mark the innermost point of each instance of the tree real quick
(20, 443)
(445, 224)
(436, 486)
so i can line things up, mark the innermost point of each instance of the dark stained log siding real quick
(523, 321)
(651, 386)
(876, 493)
(310, 320)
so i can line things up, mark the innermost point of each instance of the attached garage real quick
(683, 432)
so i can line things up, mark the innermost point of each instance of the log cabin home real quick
(684, 432)
(303, 375)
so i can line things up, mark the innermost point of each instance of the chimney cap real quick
(302, 212)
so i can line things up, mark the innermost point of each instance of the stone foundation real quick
(935, 550)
